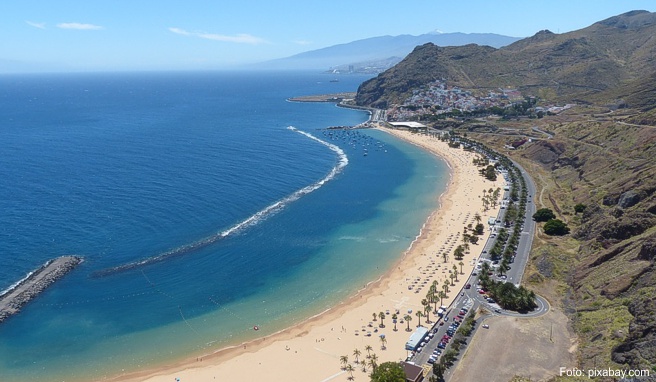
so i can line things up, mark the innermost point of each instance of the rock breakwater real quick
(13, 299)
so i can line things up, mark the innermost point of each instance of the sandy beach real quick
(311, 351)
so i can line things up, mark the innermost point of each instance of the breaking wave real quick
(251, 221)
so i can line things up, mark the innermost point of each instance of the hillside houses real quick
(438, 97)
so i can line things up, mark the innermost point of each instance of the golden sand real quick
(311, 350)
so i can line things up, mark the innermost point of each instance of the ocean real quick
(204, 204)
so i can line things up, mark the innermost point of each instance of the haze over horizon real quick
(101, 36)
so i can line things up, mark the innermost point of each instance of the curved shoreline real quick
(279, 352)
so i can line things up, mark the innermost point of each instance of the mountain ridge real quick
(380, 48)
(571, 65)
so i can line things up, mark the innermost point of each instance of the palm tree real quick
(433, 294)
(427, 310)
(461, 264)
(459, 252)
(439, 370)
(442, 296)
(485, 273)
(426, 304)
(445, 287)
(445, 256)
(419, 314)
(382, 317)
(350, 369)
(344, 360)
(383, 342)
(394, 320)
(455, 272)
(368, 348)
(356, 354)
(477, 217)
(373, 362)
(503, 267)
(407, 319)
(375, 316)
(451, 275)
(432, 299)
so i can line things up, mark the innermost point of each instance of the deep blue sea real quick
(198, 211)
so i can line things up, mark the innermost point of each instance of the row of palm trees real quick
(371, 361)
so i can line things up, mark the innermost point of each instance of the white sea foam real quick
(16, 284)
(386, 240)
(354, 238)
(251, 221)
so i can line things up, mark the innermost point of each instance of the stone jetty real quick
(12, 300)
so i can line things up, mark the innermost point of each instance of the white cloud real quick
(238, 39)
(180, 31)
(79, 26)
(36, 25)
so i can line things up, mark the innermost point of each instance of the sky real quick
(127, 35)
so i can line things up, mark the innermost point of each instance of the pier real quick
(13, 299)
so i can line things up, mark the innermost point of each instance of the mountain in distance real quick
(571, 65)
(379, 53)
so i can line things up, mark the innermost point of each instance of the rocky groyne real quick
(13, 299)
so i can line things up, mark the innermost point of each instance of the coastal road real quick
(516, 272)
(471, 299)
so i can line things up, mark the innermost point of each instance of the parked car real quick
(486, 326)
(467, 286)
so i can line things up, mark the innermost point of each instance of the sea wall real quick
(12, 300)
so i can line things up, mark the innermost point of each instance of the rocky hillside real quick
(599, 154)
(572, 65)
(608, 167)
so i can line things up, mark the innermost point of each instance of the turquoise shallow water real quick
(127, 168)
